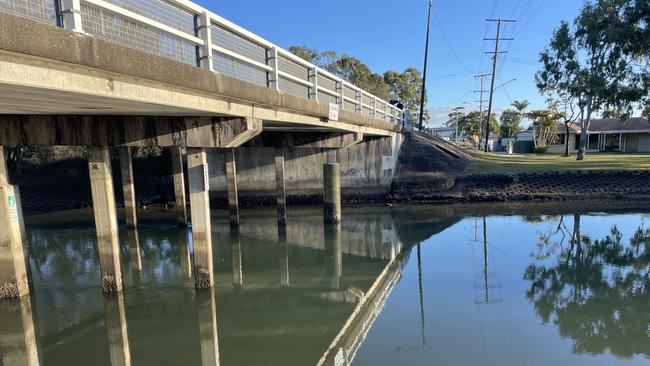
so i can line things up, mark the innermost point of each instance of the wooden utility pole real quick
(481, 77)
(494, 72)
(424, 70)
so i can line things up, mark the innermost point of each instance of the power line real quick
(451, 48)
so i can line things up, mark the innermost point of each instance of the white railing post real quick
(72, 15)
(205, 33)
(340, 89)
(313, 79)
(273, 74)
(373, 107)
(359, 98)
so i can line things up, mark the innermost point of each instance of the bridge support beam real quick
(332, 189)
(198, 176)
(179, 186)
(280, 190)
(101, 184)
(118, 336)
(14, 269)
(128, 187)
(231, 177)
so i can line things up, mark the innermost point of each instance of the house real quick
(607, 134)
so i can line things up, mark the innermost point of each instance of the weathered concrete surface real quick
(231, 177)
(128, 188)
(197, 168)
(332, 193)
(104, 209)
(104, 130)
(367, 168)
(179, 186)
(68, 66)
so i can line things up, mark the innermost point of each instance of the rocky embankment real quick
(419, 180)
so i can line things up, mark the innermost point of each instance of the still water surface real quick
(447, 285)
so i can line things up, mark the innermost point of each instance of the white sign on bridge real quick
(334, 112)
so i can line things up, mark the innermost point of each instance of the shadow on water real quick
(300, 294)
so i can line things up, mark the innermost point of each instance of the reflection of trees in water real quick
(597, 291)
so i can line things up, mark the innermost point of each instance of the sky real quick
(390, 35)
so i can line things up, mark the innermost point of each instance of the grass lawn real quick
(500, 163)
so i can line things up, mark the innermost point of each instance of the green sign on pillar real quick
(13, 208)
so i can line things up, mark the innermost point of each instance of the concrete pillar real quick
(101, 183)
(179, 186)
(118, 336)
(283, 251)
(134, 248)
(17, 334)
(280, 191)
(14, 267)
(332, 190)
(198, 176)
(207, 314)
(333, 253)
(231, 177)
(128, 187)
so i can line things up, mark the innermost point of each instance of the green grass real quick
(519, 163)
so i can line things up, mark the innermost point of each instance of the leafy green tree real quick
(454, 117)
(587, 63)
(544, 127)
(565, 111)
(510, 123)
(471, 125)
(406, 87)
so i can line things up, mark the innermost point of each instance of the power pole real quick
(494, 71)
(424, 69)
(481, 77)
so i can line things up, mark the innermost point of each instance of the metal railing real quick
(186, 32)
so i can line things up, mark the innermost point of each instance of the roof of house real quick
(633, 124)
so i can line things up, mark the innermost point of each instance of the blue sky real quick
(389, 34)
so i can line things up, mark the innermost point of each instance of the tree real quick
(568, 116)
(510, 123)
(454, 117)
(544, 127)
(586, 63)
(471, 125)
(406, 87)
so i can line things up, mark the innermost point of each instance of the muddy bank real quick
(546, 186)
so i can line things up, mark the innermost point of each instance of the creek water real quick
(489, 284)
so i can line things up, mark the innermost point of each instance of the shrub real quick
(540, 149)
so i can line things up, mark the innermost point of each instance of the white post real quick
(339, 89)
(313, 79)
(359, 98)
(205, 33)
(373, 107)
(72, 15)
(273, 62)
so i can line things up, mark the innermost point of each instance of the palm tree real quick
(520, 106)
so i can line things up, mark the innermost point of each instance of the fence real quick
(188, 33)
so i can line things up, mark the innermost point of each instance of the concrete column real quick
(198, 176)
(179, 186)
(128, 188)
(14, 269)
(283, 251)
(207, 314)
(333, 253)
(118, 336)
(332, 191)
(235, 245)
(231, 177)
(101, 183)
(280, 191)
(18, 340)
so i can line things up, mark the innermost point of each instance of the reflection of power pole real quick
(485, 262)
(494, 72)
(424, 342)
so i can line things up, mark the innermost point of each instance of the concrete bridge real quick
(138, 73)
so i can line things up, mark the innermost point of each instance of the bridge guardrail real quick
(186, 32)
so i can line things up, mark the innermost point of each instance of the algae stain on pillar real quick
(197, 168)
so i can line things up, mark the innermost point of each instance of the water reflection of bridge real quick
(305, 297)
